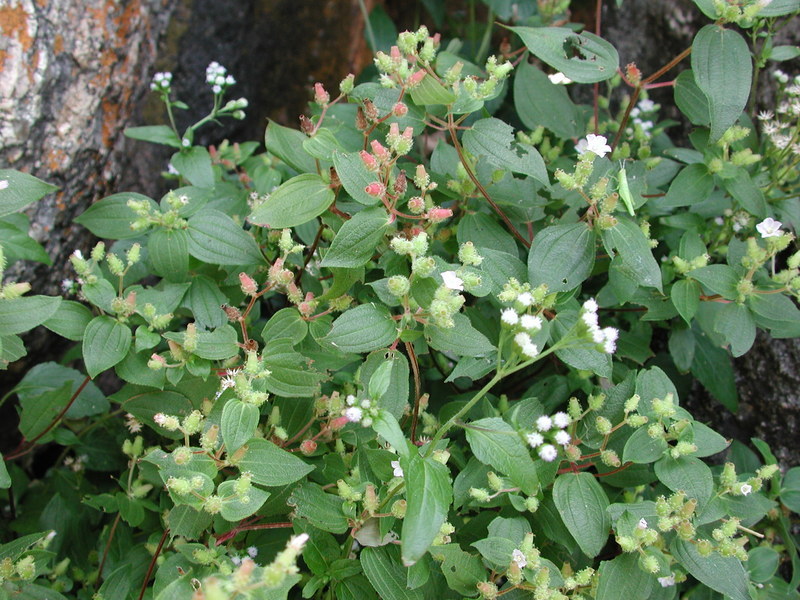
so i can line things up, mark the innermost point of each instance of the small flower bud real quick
(308, 447)
(248, 284)
(321, 97)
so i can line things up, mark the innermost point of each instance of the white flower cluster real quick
(641, 115)
(525, 324)
(217, 77)
(161, 82)
(553, 427)
(782, 129)
(597, 144)
(359, 412)
(607, 337)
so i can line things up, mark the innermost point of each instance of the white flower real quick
(186, 142)
(646, 105)
(590, 319)
(769, 227)
(452, 281)
(78, 254)
(353, 414)
(559, 78)
(3, 184)
(610, 342)
(252, 551)
(66, 285)
(133, 425)
(562, 438)
(172, 170)
(544, 423)
(535, 439)
(397, 470)
(765, 115)
(525, 299)
(509, 316)
(229, 80)
(642, 524)
(297, 542)
(216, 89)
(561, 420)
(530, 350)
(227, 382)
(597, 144)
(548, 453)
(780, 76)
(160, 418)
(531, 322)
(745, 489)
(350, 399)
(518, 557)
(590, 305)
(667, 581)
(236, 560)
(522, 339)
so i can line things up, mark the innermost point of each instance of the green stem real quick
(368, 26)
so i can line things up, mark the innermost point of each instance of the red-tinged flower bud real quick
(416, 78)
(437, 214)
(376, 188)
(633, 74)
(338, 423)
(305, 308)
(395, 53)
(408, 133)
(437, 39)
(321, 97)
(370, 110)
(379, 150)
(416, 205)
(233, 314)
(369, 161)
(249, 286)
(400, 184)
(308, 447)
(394, 130)
(130, 300)
(306, 125)
(400, 109)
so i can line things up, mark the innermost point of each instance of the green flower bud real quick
(637, 420)
(610, 458)
(26, 568)
(468, 255)
(398, 285)
(649, 564)
(181, 455)
(531, 504)
(193, 422)
(628, 544)
(574, 409)
(603, 425)
(99, 252)
(704, 547)
(479, 494)
(686, 530)
(212, 504)
(398, 509)
(596, 402)
(494, 481)
(179, 486)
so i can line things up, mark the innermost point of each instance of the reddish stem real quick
(153, 563)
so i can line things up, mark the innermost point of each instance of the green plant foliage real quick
(430, 344)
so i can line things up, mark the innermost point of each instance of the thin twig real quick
(153, 563)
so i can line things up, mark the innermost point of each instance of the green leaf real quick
(685, 295)
(271, 466)
(561, 256)
(582, 504)
(36, 417)
(295, 202)
(155, 134)
(287, 144)
(494, 139)
(285, 324)
(485, 233)
(5, 478)
(708, 441)
(584, 57)
(692, 185)
(462, 339)
(105, 342)
(718, 279)
(790, 489)
(726, 575)
(737, 326)
(428, 498)
(691, 100)
(322, 510)
(168, 251)
(386, 574)
(194, 164)
(637, 257)
(219, 344)
(642, 449)
(21, 314)
(238, 424)
(49, 376)
(624, 574)
(494, 442)
(322, 145)
(290, 375)
(69, 320)
(216, 238)
(430, 91)
(540, 102)
(362, 329)
(580, 355)
(723, 70)
(185, 521)
(18, 245)
(357, 239)
(779, 8)
(111, 217)
(144, 406)
(762, 563)
(746, 193)
(20, 190)
(355, 177)
(777, 313)
(687, 473)
(133, 369)
(395, 398)
(462, 570)
(712, 366)
(236, 507)
(205, 300)
(781, 53)
(386, 426)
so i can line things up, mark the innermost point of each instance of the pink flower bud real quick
(158, 358)
(416, 78)
(408, 133)
(305, 308)
(376, 188)
(394, 130)
(379, 150)
(416, 205)
(395, 53)
(248, 284)
(308, 447)
(338, 423)
(368, 160)
(400, 109)
(437, 214)
(320, 95)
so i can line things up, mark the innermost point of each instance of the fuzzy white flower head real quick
(590, 319)
(562, 438)
(535, 439)
(350, 400)
(769, 227)
(236, 560)
(522, 339)
(353, 414)
(544, 423)
(525, 299)
(667, 581)
(597, 144)
(559, 78)
(590, 305)
(530, 350)
(531, 322)
(561, 420)
(397, 470)
(548, 453)
(297, 542)
(509, 316)
(78, 254)
(518, 557)
(646, 105)
(642, 524)
(160, 418)
(452, 281)
(745, 489)
(252, 551)
(3, 184)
